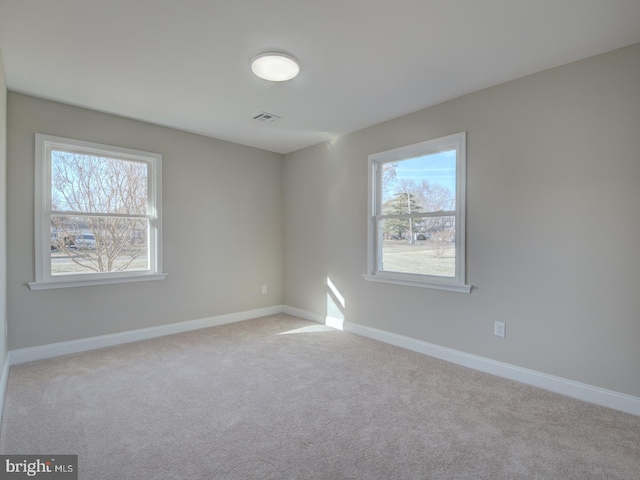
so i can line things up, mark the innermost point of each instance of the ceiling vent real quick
(266, 117)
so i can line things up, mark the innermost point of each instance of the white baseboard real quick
(313, 317)
(3, 383)
(570, 388)
(74, 346)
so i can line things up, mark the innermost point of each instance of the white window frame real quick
(44, 144)
(374, 273)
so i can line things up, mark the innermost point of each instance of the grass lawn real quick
(419, 257)
(63, 265)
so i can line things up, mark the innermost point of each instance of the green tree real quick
(401, 203)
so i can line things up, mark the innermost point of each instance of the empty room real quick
(320, 240)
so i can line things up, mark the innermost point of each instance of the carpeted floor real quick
(283, 398)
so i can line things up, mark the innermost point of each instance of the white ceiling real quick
(185, 63)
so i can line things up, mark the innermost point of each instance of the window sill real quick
(418, 283)
(96, 281)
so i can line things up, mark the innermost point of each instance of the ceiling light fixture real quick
(275, 66)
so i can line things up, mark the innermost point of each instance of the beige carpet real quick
(283, 398)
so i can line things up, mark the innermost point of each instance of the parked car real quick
(85, 241)
(60, 239)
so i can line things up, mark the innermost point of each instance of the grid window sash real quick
(417, 214)
(88, 244)
(432, 251)
(98, 214)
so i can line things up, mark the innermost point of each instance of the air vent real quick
(266, 117)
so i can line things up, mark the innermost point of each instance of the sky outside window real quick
(438, 168)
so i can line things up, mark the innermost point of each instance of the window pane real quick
(92, 184)
(97, 244)
(422, 184)
(423, 246)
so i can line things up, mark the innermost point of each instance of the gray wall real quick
(553, 222)
(222, 223)
(3, 217)
(552, 226)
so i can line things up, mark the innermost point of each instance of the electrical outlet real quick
(499, 329)
(264, 289)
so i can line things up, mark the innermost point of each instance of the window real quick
(98, 214)
(417, 215)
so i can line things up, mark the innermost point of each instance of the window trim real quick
(457, 283)
(44, 280)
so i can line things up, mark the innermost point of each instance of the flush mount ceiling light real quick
(275, 66)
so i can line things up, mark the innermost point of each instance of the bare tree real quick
(423, 197)
(389, 175)
(433, 197)
(99, 210)
(442, 237)
(436, 197)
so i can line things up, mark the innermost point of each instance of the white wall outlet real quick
(264, 289)
(499, 329)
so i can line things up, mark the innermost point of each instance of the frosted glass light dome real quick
(275, 67)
